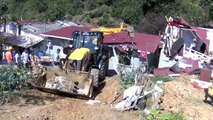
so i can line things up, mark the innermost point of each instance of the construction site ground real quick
(179, 96)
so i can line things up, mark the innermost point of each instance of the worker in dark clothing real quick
(209, 94)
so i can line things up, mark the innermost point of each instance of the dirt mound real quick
(180, 96)
(110, 87)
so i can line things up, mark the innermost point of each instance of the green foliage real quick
(99, 12)
(88, 19)
(127, 80)
(123, 9)
(211, 11)
(161, 78)
(11, 79)
(157, 115)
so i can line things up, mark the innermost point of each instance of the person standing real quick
(57, 57)
(25, 58)
(18, 58)
(8, 55)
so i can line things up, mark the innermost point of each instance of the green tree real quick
(129, 10)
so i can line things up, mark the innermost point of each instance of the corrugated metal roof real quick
(65, 33)
(23, 41)
(142, 41)
(202, 34)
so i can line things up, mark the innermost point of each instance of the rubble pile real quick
(181, 97)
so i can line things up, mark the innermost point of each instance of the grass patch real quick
(161, 78)
(157, 115)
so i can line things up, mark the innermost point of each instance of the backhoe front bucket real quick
(80, 86)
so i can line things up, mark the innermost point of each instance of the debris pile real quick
(180, 96)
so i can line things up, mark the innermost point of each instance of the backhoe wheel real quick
(103, 71)
(95, 76)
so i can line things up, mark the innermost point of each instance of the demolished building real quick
(140, 46)
(185, 47)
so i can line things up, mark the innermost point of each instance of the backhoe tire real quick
(103, 71)
(95, 76)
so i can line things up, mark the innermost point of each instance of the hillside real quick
(145, 15)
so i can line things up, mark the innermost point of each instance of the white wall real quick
(210, 37)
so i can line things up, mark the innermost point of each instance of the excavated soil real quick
(180, 96)
(36, 105)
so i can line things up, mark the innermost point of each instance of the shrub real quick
(127, 80)
(88, 20)
(11, 78)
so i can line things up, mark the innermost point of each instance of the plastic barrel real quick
(40, 53)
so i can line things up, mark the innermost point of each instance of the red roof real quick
(143, 42)
(65, 32)
(202, 34)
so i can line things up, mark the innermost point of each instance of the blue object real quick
(40, 53)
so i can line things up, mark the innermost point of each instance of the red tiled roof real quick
(65, 32)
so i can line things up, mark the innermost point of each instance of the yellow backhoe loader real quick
(86, 66)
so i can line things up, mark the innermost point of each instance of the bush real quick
(88, 20)
(106, 16)
(11, 79)
(127, 80)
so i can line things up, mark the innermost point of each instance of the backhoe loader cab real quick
(90, 40)
(89, 55)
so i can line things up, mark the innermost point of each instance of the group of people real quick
(15, 57)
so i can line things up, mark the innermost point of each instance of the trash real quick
(160, 82)
(147, 112)
(130, 98)
(174, 75)
(155, 89)
(92, 102)
(132, 95)
(200, 84)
